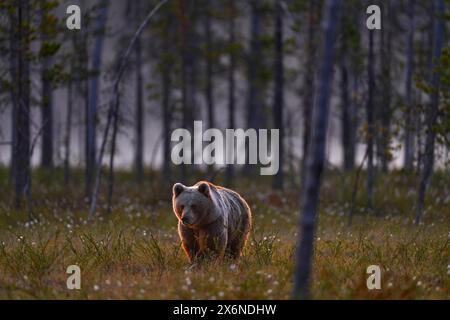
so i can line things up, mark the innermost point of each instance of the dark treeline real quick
(292, 65)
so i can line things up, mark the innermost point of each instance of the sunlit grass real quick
(135, 253)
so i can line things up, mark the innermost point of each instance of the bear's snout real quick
(187, 218)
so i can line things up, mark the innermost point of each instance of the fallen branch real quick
(114, 105)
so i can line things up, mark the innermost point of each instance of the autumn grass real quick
(135, 253)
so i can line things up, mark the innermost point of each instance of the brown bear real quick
(212, 221)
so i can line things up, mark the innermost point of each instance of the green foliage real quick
(49, 48)
(443, 126)
(442, 69)
(298, 5)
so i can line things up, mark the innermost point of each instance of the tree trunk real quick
(209, 65)
(22, 149)
(184, 59)
(113, 151)
(278, 104)
(91, 115)
(409, 124)
(83, 79)
(47, 117)
(254, 103)
(166, 79)
(354, 71)
(385, 108)
(209, 54)
(13, 65)
(309, 87)
(47, 96)
(139, 115)
(316, 154)
(346, 116)
(188, 71)
(167, 120)
(370, 111)
(432, 114)
(429, 76)
(231, 82)
(68, 128)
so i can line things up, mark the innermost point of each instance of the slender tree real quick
(82, 84)
(316, 154)
(349, 66)
(278, 103)
(114, 117)
(370, 111)
(409, 125)
(91, 112)
(254, 92)
(22, 143)
(209, 92)
(13, 69)
(209, 74)
(254, 99)
(433, 110)
(385, 108)
(48, 49)
(166, 79)
(139, 113)
(346, 116)
(68, 127)
(188, 45)
(231, 78)
(309, 80)
(428, 74)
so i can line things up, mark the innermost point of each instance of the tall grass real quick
(135, 253)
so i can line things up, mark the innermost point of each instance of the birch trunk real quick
(316, 154)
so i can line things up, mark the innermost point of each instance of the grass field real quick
(135, 253)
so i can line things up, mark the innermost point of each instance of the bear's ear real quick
(177, 189)
(204, 189)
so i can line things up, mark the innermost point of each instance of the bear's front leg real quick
(189, 241)
(213, 242)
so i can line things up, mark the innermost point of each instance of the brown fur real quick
(212, 220)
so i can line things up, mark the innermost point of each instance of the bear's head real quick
(194, 206)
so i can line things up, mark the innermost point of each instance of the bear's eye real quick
(194, 207)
